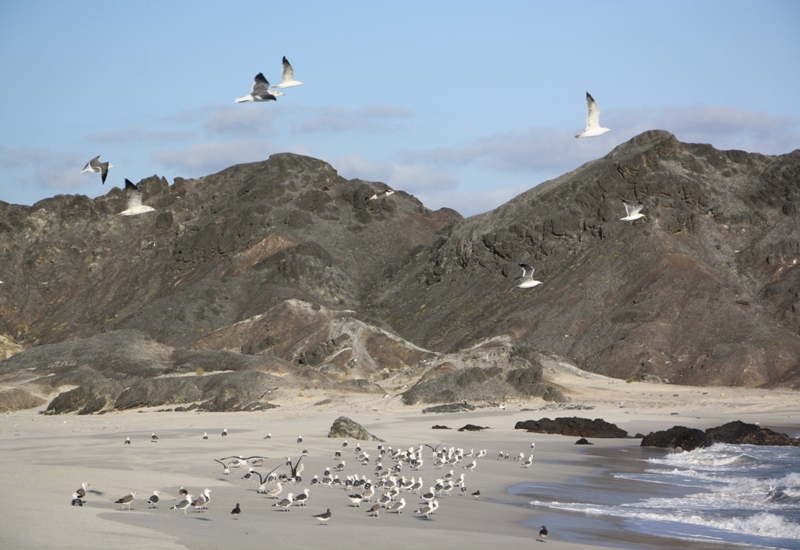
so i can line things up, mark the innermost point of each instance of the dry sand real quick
(45, 458)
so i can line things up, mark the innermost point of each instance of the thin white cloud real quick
(411, 178)
(370, 118)
(210, 157)
(252, 119)
(138, 134)
(469, 203)
(46, 169)
(544, 149)
(721, 126)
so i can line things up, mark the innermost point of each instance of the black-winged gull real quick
(260, 91)
(135, 207)
(593, 127)
(96, 166)
(287, 76)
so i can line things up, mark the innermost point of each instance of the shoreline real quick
(49, 456)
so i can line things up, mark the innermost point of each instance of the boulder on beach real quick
(682, 437)
(347, 428)
(582, 427)
(739, 432)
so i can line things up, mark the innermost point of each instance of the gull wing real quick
(133, 194)
(592, 113)
(261, 87)
(288, 73)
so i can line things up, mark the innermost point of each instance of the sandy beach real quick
(46, 458)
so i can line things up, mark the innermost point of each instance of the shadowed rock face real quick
(703, 290)
(284, 267)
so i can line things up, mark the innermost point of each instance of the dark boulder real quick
(450, 408)
(681, 437)
(472, 428)
(583, 441)
(439, 427)
(347, 428)
(739, 432)
(582, 427)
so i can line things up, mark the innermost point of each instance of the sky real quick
(464, 104)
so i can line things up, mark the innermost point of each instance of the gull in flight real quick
(287, 76)
(632, 213)
(135, 207)
(381, 194)
(527, 281)
(260, 91)
(96, 166)
(593, 127)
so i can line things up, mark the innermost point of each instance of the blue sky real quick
(464, 104)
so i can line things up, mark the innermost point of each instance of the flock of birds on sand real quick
(396, 475)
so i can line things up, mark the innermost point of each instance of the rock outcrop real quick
(582, 427)
(677, 437)
(741, 433)
(345, 427)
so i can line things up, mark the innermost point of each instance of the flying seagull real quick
(260, 91)
(96, 166)
(632, 213)
(593, 127)
(527, 281)
(287, 76)
(136, 207)
(381, 194)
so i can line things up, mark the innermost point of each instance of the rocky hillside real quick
(704, 290)
(286, 269)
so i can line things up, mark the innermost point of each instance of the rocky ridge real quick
(282, 274)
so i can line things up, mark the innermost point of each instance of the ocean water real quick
(725, 495)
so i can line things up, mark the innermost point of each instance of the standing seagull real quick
(285, 503)
(126, 500)
(632, 213)
(287, 76)
(184, 504)
(154, 437)
(323, 518)
(543, 533)
(527, 281)
(80, 493)
(96, 166)
(593, 127)
(153, 500)
(224, 432)
(260, 91)
(127, 441)
(236, 511)
(136, 207)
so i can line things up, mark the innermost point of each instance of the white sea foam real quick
(737, 493)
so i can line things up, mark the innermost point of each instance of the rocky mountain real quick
(284, 269)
